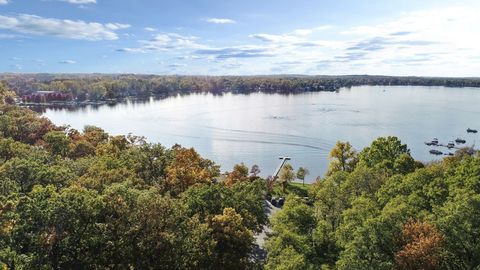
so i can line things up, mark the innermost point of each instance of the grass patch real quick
(293, 188)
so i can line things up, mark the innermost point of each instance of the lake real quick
(258, 128)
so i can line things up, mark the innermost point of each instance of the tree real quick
(10, 148)
(255, 170)
(187, 169)
(292, 229)
(81, 148)
(6, 95)
(247, 198)
(301, 173)
(23, 125)
(94, 135)
(24, 172)
(405, 164)
(239, 174)
(57, 142)
(98, 91)
(58, 230)
(342, 158)
(288, 259)
(458, 220)
(422, 244)
(330, 202)
(363, 180)
(384, 152)
(286, 176)
(234, 240)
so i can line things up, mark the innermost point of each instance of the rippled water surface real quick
(257, 128)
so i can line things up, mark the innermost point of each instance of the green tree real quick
(234, 240)
(292, 229)
(458, 220)
(57, 142)
(343, 157)
(58, 230)
(247, 198)
(288, 259)
(286, 176)
(24, 172)
(329, 204)
(302, 173)
(384, 152)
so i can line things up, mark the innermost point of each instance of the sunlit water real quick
(258, 128)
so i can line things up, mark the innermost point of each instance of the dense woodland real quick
(94, 87)
(86, 200)
(380, 209)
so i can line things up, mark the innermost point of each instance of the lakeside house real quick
(46, 96)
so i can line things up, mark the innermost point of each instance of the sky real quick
(242, 37)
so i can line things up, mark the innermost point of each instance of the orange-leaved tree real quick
(422, 243)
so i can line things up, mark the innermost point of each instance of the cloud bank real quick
(220, 20)
(70, 29)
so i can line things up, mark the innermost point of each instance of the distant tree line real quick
(94, 87)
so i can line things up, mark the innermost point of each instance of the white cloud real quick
(440, 41)
(277, 38)
(420, 41)
(298, 36)
(150, 29)
(309, 31)
(3, 2)
(220, 20)
(177, 65)
(32, 24)
(69, 62)
(166, 42)
(80, 2)
(116, 26)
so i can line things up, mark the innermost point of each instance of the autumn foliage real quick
(422, 244)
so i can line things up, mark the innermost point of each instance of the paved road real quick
(260, 238)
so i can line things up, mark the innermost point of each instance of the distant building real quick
(46, 96)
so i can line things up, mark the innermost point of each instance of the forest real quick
(101, 87)
(74, 199)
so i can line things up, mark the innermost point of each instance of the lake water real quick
(258, 128)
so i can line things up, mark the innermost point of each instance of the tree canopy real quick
(386, 211)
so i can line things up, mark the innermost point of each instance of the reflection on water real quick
(257, 128)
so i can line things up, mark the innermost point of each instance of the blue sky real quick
(248, 37)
